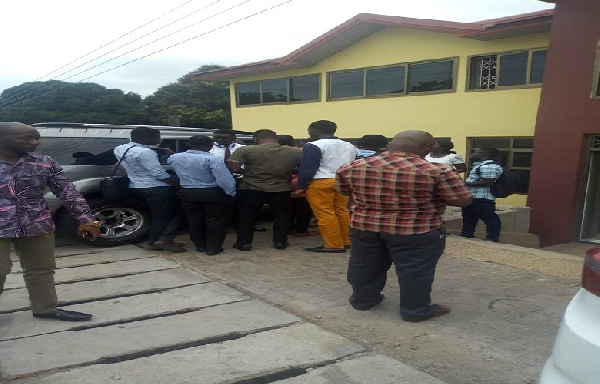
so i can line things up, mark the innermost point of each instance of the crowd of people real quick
(381, 201)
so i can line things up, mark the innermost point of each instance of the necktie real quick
(227, 153)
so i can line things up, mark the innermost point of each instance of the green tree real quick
(54, 100)
(202, 104)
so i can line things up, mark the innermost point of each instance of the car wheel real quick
(123, 222)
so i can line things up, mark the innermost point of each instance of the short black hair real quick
(491, 152)
(286, 140)
(200, 141)
(374, 142)
(142, 132)
(265, 134)
(224, 132)
(323, 126)
(446, 145)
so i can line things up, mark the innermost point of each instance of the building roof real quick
(366, 24)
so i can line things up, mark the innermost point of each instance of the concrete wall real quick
(459, 115)
(567, 114)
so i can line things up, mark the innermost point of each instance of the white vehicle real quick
(576, 355)
(85, 153)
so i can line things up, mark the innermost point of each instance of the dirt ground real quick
(507, 303)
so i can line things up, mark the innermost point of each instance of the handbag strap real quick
(120, 161)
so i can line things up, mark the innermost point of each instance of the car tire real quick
(123, 222)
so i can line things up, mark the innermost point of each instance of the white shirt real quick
(450, 159)
(219, 150)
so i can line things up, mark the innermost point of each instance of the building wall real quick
(566, 115)
(459, 115)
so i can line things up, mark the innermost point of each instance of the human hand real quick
(298, 193)
(88, 231)
(166, 151)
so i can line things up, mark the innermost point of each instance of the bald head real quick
(18, 138)
(417, 142)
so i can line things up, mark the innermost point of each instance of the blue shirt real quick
(488, 170)
(142, 166)
(198, 169)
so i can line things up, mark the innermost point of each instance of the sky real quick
(141, 45)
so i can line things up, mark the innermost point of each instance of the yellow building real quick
(477, 84)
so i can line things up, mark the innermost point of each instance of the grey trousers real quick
(36, 255)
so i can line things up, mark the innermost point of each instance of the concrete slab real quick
(123, 309)
(253, 356)
(39, 353)
(96, 258)
(119, 268)
(17, 299)
(81, 249)
(377, 369)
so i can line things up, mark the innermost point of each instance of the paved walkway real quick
(156, 321)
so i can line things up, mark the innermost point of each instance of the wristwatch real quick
(94, 223)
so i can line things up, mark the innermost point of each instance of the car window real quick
(80, 150)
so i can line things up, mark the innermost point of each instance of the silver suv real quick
(85, 153)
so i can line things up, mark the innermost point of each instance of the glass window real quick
(433, 76)
(305, 88)
(538, 64)
(513, 69)
(522, 159)
(249, 93)
(274, 91)
(80, 150)
(383, 81)
(525, 174)
(347, 84)
(490, 143)
(523, 143)
(483, 72)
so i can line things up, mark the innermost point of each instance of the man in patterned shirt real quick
(26, 222)
(398, 202)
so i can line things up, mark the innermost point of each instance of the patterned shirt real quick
(488, 170)
(399, 192)
(23, 210)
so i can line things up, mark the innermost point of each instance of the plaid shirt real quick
(488, 170)
(399, 192)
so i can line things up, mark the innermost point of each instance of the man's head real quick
(319, 128)
(200, 143)
(18, 138)
(483, 154)
(265, 136)
(372, 142)
(442, 147)
(223, 136)
(286, 140)
(417, 142)
(145, 136)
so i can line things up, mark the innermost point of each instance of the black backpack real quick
(507, 184)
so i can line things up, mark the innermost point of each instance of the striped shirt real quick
(399, 192)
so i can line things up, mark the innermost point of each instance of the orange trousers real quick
(331, 210)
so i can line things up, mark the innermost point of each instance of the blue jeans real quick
(485, 210)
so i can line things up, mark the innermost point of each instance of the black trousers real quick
(249, 204)
(485, 210)
(208, 211)
(415, 258)
(161, 201)
(301, 215)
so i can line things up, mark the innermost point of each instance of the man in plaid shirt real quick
(398, 202)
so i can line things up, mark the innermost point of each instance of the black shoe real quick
(325, 250)
(200, 249)
(367, 306)
(467, 236)
(212, 252)
(281, 245)
(260, 229)
(64, 315)
(243, 247)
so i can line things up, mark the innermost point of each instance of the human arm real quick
(451, 189)
(236, 161)
(149, 160)
(458, 163)
(309, 164)
(341, 183)
(223, 176)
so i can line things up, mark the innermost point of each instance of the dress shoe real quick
(212, 252)
(171, 247)
(367, 306)
(260, 229)
(64, 315)
(149, 247)
(281, 245)
(181, 245)
(243, 247)
(322, 249)
(200, 249)
(438, 310)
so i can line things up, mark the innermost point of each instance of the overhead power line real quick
(20, 95)
(161, 50)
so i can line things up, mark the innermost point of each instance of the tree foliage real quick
(195, 103)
